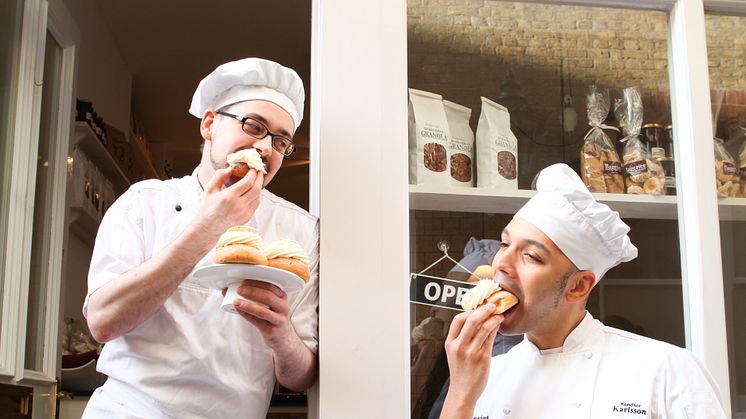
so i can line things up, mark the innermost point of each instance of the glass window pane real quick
(35, 324)
(726, 47)
(539, 61)
(10, 38)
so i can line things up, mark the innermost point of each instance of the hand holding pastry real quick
(469, 351)
(223, 207)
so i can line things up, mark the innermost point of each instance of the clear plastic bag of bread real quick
(600, 166)
(727, 180)
(642, 174)
(742, 168)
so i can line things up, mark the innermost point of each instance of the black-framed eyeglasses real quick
(258, 130)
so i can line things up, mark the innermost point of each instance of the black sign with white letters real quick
(440, 292)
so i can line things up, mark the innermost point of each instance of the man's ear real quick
(580, 285)
(205, 126)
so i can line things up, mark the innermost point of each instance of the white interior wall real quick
(103, 77)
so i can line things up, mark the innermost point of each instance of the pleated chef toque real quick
(250, 79)
(589, 233)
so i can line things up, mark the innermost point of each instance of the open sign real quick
(434, 291)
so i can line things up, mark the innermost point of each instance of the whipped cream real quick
(246, 236)
(249, 156)
(286, 249)
(480, 292)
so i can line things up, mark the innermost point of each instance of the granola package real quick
(461, 144)
(497, 149)
(643, 175)
(428, 139)
(600, 166)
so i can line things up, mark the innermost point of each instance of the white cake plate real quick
(230, 275)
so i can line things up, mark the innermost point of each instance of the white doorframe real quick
(25, 134)
(359, 117)
(699, 228)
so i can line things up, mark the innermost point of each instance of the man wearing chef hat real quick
(554, 251)
(171, 352)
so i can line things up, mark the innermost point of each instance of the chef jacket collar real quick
(573, 341)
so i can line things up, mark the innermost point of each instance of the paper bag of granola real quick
(642, 174)
(600, 166)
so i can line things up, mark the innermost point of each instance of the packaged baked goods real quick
(461, 144)
(727, 179)
(600, 166)
(428, 139)
(643, 175)
(497, 148)
(742, 168)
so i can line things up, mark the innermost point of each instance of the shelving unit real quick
(87, 141)
(426, 197)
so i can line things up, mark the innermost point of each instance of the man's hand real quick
(224, 207)
(266, 307)
(469, 350)
(269, 311)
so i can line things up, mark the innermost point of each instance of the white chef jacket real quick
(600, 372)
(191, 359)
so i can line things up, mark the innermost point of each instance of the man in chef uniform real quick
(555, 249)
(171, 352)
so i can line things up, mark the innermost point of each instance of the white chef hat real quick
(589, 233)
(250, 79)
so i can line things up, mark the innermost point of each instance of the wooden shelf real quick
(87, 141)
(483, 200)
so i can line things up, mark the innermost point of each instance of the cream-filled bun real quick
(243, 160)
(487, 291)
(240, 244)
(290, 256)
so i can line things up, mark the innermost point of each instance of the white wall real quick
(103, 77)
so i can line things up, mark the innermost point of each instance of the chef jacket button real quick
(588, 354)
(506, 410)
(577, 404)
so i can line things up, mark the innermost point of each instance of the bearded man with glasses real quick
(171, 352)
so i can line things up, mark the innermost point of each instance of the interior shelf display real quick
(439, 198)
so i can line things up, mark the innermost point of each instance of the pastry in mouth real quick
(240, 244)
(243, 160)
(487, 291)
(290, 256)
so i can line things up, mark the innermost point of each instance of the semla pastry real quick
(290, 256)
(487, 291)
(240, 244)
(243, 160)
